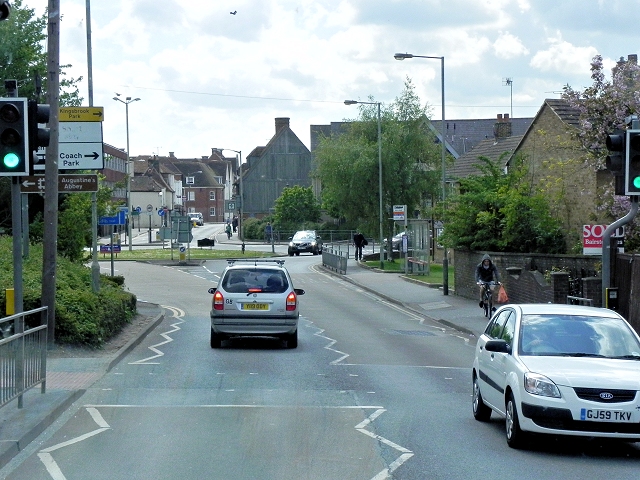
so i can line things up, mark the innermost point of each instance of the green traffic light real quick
(11, 160)
(636, 182)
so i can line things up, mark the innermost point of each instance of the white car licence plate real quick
(596, 415)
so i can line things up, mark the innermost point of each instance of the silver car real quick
(255, 298)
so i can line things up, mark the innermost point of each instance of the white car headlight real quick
(537, 384)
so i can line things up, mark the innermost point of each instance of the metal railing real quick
(23, 354)
(335, 258)
(572, 300)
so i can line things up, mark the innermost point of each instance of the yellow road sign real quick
(81, 114)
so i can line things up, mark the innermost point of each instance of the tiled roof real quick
(566, 112)
(491, 148)
(463, 135)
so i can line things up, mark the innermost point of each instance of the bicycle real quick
(487, 298)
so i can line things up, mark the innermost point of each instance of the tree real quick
(348, 163)
(604, 106)
(498, 212)
(295, 208)
(23, 57)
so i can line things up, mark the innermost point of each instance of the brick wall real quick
(523, 274)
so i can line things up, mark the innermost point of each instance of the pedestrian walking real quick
(268, 233)
(359, 241)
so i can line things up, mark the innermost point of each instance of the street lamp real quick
(445, 260)
(126, 102)
(354, 102)
(240, 222)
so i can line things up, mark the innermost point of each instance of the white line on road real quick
(176, 313)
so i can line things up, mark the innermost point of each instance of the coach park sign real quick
(79, 140)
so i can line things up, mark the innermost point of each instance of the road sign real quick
(80, 156)
(80, 144)
(149, 208)
(81, 114)
(399, 212)
(119, 219)
(73, 132)
(66, 184)
(109, 248)
(230, 206)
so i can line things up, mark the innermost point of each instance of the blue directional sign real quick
(119, 219)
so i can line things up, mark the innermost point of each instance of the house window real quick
(212, 211)
(212, 195)
(191, 196)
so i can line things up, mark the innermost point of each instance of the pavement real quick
(68, 378)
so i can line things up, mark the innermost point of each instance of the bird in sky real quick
(234, 12)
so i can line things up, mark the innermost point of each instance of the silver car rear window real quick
(255, 280)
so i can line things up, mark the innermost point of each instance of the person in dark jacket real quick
(486, 271)
(359, 242)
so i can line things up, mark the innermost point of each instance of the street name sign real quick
(66, 184)
(81, 114)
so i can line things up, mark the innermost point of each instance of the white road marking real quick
(405, 454)
(176, 313)
(45, 454)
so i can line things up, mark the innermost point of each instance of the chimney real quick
(502, 127)
(281, 123)
(171, 155)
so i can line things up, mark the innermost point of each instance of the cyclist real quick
(486, 272)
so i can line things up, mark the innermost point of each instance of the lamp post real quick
(126, 102)
(240, 222)
(445, 260)
(381, 219)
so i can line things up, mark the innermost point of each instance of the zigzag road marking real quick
(175, 313)
(331, 341)
(405, 453)
(45, 454)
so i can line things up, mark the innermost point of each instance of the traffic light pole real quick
(606, 245)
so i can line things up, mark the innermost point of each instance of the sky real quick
(207, 78)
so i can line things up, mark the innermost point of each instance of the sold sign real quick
(592, 238)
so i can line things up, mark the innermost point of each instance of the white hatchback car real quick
(255, 298)
(559, 369)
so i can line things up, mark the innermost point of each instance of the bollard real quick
(242, 247)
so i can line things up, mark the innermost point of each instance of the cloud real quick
(563, 57)
(508, 46)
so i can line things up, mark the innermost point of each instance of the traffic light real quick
(616, 144)
(632, 167)
(14, 139)
(5, 9)
(38, 136)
